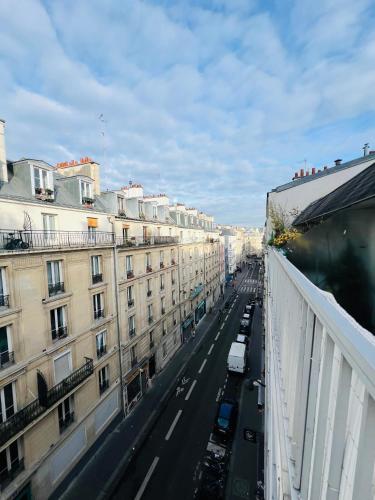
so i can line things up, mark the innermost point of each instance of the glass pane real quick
(3, 465)
(37, 177)
(53, 320)
(9, 403)
(3, 339)
(56, 266)
(62, 367)
(13, 452)
(50, 273)
(2, 282)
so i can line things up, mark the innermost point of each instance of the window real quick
(65, 413)
(173, 278)
(4, 297)
(174, 319)
(174, 337)
(103, 379)
(151, 339)
(162, 303)
(164, 328)
(55, 278)
(6, 354)
(86, 192)
(98, 303)
(148, 262)
(173, 298)
(133, 355)
(149, 288)
(178, 218)
(7, 402)
(11, 463)
(96, 269)
(121, 205)
(162, 282)
(42, 180)
(101, 344)
(140, 209)
(129, 266)
(154, 211)
(165, 352)
(49, 224)
(149, 313)
(63, 367)
(161, 259)
(130, 295)
(59, 328)
(131, 325)
(173, 261)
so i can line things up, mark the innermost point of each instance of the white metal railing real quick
(321, 391)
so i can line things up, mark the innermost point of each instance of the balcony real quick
(17, 422)
(130, 302)
(6, 358)
(97, 278)
(148, 269)
(103, 386)
(99, 313)
(59, 333)
(101, 351)
(150, 319)
(19, 241)
(149, 293)
(4, 300)
(8, 475)
(131, 332)
(55, 288)
(66, 421)
(129, 274)
(139, 241)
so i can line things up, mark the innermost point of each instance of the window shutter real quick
(62, 367)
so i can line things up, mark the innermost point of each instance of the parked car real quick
(245, 326)
(226, 417)
(242, 339)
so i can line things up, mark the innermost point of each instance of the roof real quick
(358, 189)
(323, 173)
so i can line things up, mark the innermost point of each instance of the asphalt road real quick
(167, 466)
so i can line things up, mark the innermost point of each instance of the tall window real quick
(162, 282)
(140, 209)
(154, 211)
(173, 278)
(148, 262)
(42, 180)
(161, 258)
(129, 266)
(103, 375)
(66, 413)
(62, 366)
(58, 323)
(101, 344)
(10, 463)
(174, 318)
(7, 401)
(98, 304)
(133, 355)
(130, 296)
(86, 192)
(96, 269)
(173, 261)
(149, 313)
(6, 354)
(131, 325)
(164, 328)
(49, 224)
(173, 298)
(149, 288)
(162, 304)
(121, 205)
(55, 278)
(4, 297)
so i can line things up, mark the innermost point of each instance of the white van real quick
(237, 358)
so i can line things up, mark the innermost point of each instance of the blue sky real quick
(214, 102)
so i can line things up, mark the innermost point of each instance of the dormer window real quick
(155, 211)
(140, 210)
(43, 183)
(86, 193)
(121, 205)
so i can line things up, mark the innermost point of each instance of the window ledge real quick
(8, 311)
(98, 285)
(58, 296)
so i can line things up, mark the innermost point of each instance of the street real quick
(168, 464)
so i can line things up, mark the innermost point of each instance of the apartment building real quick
(97, 292)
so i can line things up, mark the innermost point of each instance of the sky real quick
(214, 102)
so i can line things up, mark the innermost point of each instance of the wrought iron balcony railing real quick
(4, 300)
(66, 421)
(131, 332)
(161, 265)
(55, 288)
(150, 319)
(149, 293)
(19, 241)
(137, 241)
(130, 302)
(24, 417)
(8, 475)
(97, 278)
(129, 274)
(98, 313)
(100, 351)
(6, 358)
(148, 269)
(59, 333)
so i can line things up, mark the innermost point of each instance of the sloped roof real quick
(359, 188)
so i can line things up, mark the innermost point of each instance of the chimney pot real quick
(307, 172)
(295, 175)
(301, 172)
(338, 162)
(313, 171)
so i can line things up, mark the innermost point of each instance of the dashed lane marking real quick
(174, 423)
(147, 479)
(190, 390)
(202, 366)
(217, 335)
(210, 350)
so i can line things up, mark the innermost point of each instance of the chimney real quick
(313, 171)
(307, 172)
(365, 149)
(3, 156)
(325, 167)
(295, 175)
(338, 162)
(319, 170)
(371, 152)
(301, 172)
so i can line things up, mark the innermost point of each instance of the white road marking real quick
(190, 390)
(209, 352)
(218, 397)
(221, 327)
(169, 433)
(217, 335)
(201, 368)
(147, 478)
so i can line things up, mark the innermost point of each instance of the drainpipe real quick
(117, 303)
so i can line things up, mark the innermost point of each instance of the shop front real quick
(187, 327)
(200, 311)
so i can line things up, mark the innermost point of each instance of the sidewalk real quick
(247, 457)
(99, 470)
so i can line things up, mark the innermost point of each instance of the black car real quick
(226, 417)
